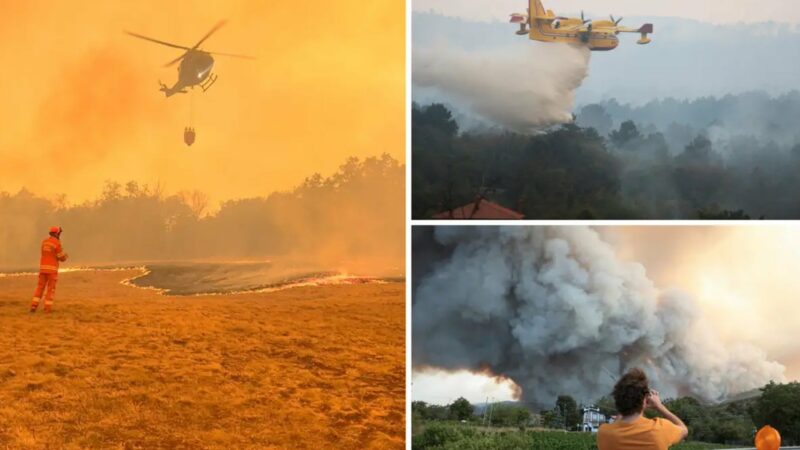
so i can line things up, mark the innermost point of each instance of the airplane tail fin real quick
(531, 24)
(537, 9)
(645, 30)
(540, 20)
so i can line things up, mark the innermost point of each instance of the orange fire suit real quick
(52, 254)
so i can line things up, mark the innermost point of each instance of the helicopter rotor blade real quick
(156, 40)
(171, 63)
(232, 55)
(208, 35)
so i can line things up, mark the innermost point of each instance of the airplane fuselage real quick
(594, 40)
(543, 25)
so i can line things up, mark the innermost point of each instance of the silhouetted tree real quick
(355, 213)
(461, 409)
(627, 132)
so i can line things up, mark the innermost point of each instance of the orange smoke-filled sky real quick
(81, 103)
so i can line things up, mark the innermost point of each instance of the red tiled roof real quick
(480, 209)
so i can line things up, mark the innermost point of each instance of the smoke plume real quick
(351, 221)
(555, 310)
(523, 87)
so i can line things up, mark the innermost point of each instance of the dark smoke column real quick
(555, 310)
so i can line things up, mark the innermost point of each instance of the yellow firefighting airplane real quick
(598, 35)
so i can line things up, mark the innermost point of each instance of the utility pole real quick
(491, 408)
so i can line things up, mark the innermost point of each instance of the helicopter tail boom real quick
(169, 91)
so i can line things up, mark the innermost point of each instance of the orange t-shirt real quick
(51, 253)
(643, 434)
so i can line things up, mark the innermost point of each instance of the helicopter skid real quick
(209, 82)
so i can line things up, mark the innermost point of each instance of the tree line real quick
(355, 213)
(733, 422)
(573, 171)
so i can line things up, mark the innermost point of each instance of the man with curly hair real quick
(632, 395)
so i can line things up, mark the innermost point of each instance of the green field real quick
(452, 436)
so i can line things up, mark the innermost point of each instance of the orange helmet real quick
(55, 230)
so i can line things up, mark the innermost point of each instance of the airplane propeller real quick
(584, 20)
(616, 22)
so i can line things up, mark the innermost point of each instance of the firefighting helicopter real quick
(598, 35)
(196, 64)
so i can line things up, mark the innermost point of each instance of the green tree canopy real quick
(779, 407)
(461, 409)
(567, 407)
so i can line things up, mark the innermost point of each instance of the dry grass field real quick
(116, 367)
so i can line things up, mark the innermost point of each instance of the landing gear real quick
(208, 82)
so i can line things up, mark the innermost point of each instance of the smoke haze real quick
(82, 105)
(352, 221)
(521, 87)
(558, 312)
(687, 59)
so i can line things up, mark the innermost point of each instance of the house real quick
(480, 209)
(592, 419)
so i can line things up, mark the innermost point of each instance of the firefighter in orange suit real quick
(52, 254)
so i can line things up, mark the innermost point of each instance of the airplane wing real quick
(574, 28)
(644, 29)
(517, 18)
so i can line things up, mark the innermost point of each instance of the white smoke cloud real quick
(556, 311)
(522, 87)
